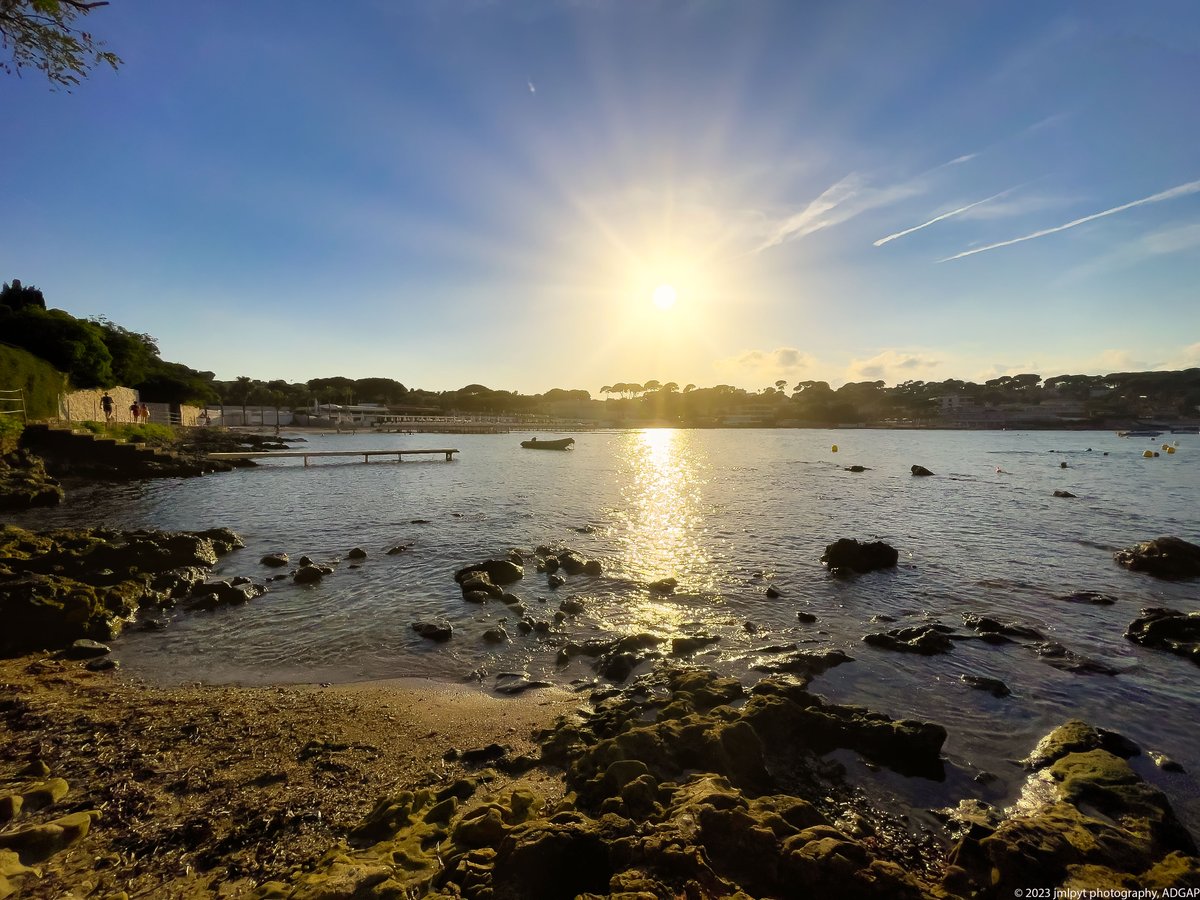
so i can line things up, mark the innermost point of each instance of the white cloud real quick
(838, 203)
(935, 219)
(893, 366)
(1181, 190)
(761, 367)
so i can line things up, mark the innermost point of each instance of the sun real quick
(664, 296)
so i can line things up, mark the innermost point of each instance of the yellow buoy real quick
(835, 448)
(1170, 449)
(1147, 454)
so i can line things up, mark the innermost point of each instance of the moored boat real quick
(561, 444)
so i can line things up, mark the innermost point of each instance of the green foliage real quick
(169, 382)
(10, 433)
(134, 355)
(18, 296)
(40, 381)
(148, 433)
(70, 345)
(45, 35)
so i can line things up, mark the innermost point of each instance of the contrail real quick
(1182, 190)
(954, 212)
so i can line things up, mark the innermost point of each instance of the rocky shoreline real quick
(677, 782)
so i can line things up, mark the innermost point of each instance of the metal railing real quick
(12, 403)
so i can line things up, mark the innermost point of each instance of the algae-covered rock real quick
(60, 586)
(25, 484)
(36, 843)
(1085, 819)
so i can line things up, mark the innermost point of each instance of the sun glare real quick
(664, 296)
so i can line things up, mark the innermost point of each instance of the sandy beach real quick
(204, 791)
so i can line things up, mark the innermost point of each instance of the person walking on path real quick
(133, 412)
(145, 412)
(106, 404)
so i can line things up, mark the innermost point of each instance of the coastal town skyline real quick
(555, 194)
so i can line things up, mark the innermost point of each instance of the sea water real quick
(727, 513)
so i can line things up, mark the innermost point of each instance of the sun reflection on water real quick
(664, 537)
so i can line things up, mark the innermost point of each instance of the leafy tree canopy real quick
(46, 35)
(19, 296)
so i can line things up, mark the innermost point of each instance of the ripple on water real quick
(712, 509)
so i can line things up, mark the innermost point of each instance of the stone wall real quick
(84, 406)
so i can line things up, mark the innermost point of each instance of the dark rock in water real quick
(806, 662)
(555, 581)
(848, 555)
(476, 596)
(985, 625)
(275, 560)
(882, 617)
(499, 571)
(419, 522)
(663, 586)
(510, 599)
(1164, 762)
(1055, 654)
(310, 574)
(593, 567)
(585, 529)
(993, 686)
(356, 553)
(750, 627)
(525, 625)
(855, 468)
(1063, 494)
(571, 562)
(480, 583)
(926, 640)
(773, 593)
(550, 564)
(102, 664)
(1164, 557)
(398, 549)
(920, 470)
(307, 561)
(805, 617)
(686, 646)
(435, 631)
(496, 635)
(1095, 598)
(1167, 629)
(215, 594)
(86, 649)
(571, 607)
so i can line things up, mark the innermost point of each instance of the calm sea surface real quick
(727, 513)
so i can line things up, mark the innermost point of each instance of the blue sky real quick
(456, 191)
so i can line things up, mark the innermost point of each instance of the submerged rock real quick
(993, 686)
(435, 631)
(806, 662)
(275, 560)
(848, 555)
(1055, 654)
(1095, 598)
(926, 640)
(1163, 557)
(1065, 494)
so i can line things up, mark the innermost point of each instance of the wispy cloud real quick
(936, 219)
(893, 366)
(756, 366)
(838, 203)
(1190, 187)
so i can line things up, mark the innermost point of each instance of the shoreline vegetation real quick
(677, 783)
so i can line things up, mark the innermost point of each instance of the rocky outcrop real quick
(1085, 820)
(24, 482)
(1167, 629)
(846, 555)
(1163, 557)
(59, 586)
